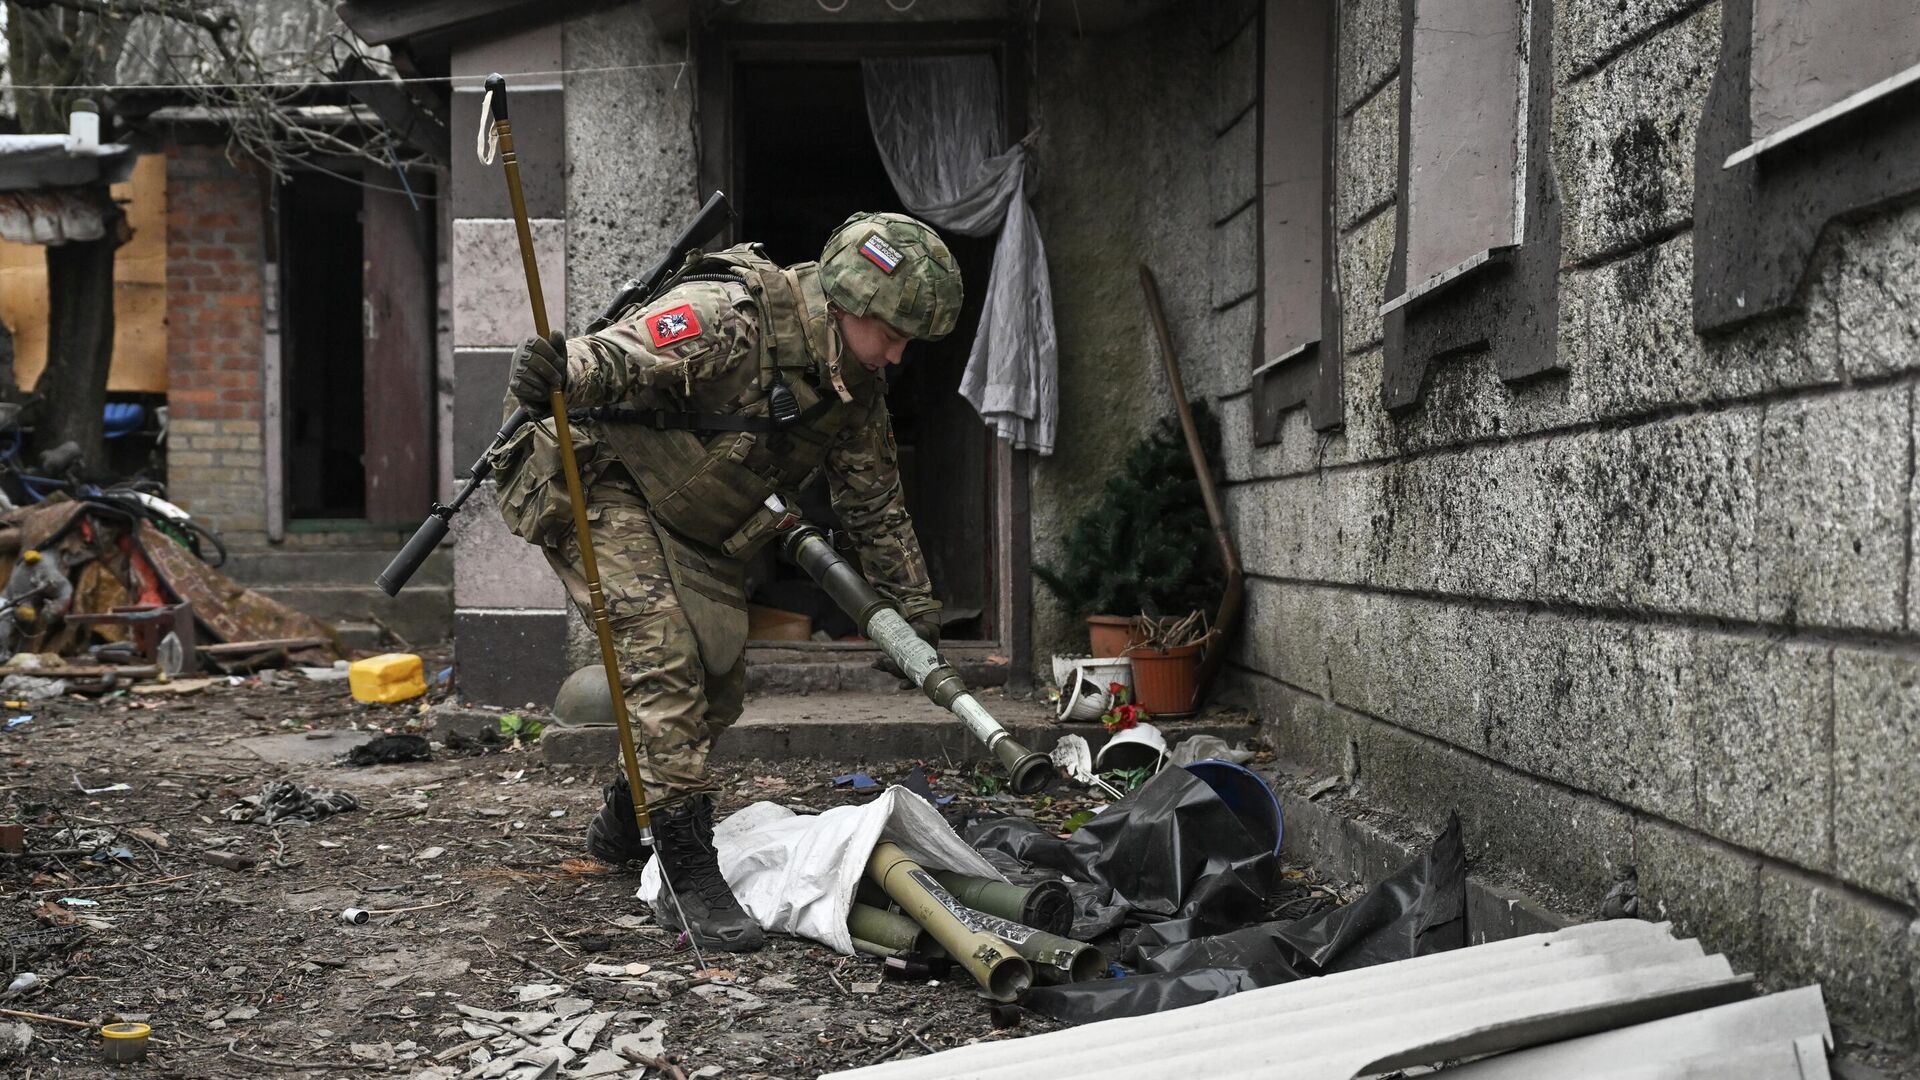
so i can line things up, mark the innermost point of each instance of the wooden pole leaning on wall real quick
(1226, 617)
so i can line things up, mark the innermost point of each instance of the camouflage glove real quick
(922, 615)
(539, 368)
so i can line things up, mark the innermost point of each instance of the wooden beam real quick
(398, 110)
(384, 22)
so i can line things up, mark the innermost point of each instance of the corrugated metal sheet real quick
(1615, 978)
(35, 162)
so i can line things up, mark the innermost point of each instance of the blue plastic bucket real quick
(1248, 796)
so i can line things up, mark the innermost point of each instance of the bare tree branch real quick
(207, 49)
(224, 22)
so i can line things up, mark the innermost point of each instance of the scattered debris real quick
(1208, 748)
(85, 790)
(281, 800)
(391, 750)
(32, 687)
(14, 1040)
(1321, 787)
(860, 781)
(228, 860)
(176, 687)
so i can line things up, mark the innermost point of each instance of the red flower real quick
(1116, 689)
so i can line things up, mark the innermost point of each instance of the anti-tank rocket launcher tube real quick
(807, 547)
(1003, 973)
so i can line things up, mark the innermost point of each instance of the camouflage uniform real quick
(672, 526)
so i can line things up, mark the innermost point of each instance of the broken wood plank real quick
(240, 648)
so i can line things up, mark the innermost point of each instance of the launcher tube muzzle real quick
(807, 548)
(1000, 970)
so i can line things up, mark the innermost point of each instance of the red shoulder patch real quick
(673, 324)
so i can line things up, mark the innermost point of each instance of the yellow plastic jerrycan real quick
(387, 678)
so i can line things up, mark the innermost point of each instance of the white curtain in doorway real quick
(937, 122)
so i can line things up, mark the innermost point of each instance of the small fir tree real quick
(1146, 545)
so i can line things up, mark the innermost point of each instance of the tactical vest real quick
(712, 487)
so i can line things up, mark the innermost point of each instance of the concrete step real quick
(423, 614)
(879, 727)
(852, 676)
(282, 566)
(847, 667)
(361, 636)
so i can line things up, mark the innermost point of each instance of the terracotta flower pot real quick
(1163, 682)
(1110, 635)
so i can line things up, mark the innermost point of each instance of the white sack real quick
(796, 874)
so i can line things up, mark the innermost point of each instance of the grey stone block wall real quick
(1148, 168)
(1623, 139)
(1652, 614)
(508, 622)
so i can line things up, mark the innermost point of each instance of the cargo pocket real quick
(712, 590)
(533, 486)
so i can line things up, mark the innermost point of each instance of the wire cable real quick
(294, 83)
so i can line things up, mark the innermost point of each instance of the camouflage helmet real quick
(583, 700)
(895, 269)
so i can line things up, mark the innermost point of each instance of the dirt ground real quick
(490, 932)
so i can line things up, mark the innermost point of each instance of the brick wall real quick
(214, 459)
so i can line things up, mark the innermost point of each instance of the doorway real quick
(356, 351)
(320, 273)
(804, 160)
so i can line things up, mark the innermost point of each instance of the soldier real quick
(700, 416)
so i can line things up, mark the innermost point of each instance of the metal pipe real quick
(1001, 971)
(1047, 906)
(807, 547)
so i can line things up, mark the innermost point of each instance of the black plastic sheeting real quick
(1172, 850)
(1169, 880)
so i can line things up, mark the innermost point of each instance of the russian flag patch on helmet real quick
(880, 253)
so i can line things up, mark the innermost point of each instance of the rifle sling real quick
(685, 421)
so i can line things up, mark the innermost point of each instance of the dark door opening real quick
(804, 159)
(321, 357)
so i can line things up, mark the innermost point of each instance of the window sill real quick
(1850, 104)
(1284, 358)
(1490, 257)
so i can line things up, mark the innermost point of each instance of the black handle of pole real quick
(496, 85)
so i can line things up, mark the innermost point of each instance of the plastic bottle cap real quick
(126, 1031)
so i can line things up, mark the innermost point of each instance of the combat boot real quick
(713, 916)
(612, 836)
